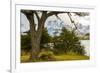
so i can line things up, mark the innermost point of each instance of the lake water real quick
(86, 44)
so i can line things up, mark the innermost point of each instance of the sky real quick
(53, 20)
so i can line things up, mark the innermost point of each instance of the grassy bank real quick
(71, 57)
(65, 57)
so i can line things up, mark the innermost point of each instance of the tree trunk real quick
(35, 48)
(35, 40)
(35, 34)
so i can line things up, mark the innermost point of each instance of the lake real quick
(86, 44)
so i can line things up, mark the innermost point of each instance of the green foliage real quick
(25, 42)
(68, 42)
(46, 38)
(46, 55)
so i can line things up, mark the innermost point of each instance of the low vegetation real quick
(44, 56)
(66, 46)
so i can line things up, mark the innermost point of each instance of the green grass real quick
(71, 57)
(25, 58)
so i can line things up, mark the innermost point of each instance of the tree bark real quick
(35, 44)
(35, 41)
(35, 34)
(36, 37)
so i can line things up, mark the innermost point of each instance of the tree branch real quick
(30, 16)
(54, 13)
(71, 19)
(37, 15)
(82, 13)
(27, 12)
(42, 19)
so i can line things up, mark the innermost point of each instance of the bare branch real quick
(71, 19)
(57, 16)
(27, 12)
(82, 13)
(37, 15)
(54, 13)
(30, 16)
(42, 20)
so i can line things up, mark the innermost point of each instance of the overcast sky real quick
(85, 20)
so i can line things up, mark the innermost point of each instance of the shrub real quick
(46, 55)
(68, 42)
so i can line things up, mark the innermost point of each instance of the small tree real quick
(68, 42)
(45, 39)
(26, 40)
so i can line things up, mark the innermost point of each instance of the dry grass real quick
(71, 57)
(25, 58)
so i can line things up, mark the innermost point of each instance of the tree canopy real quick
(68, 42)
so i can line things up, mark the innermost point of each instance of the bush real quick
(46, 55)
(68, 42)
(25, 42)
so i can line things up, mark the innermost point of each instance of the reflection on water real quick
(86, 44)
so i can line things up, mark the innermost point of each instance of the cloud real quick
(24, 23)
(49, 24)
